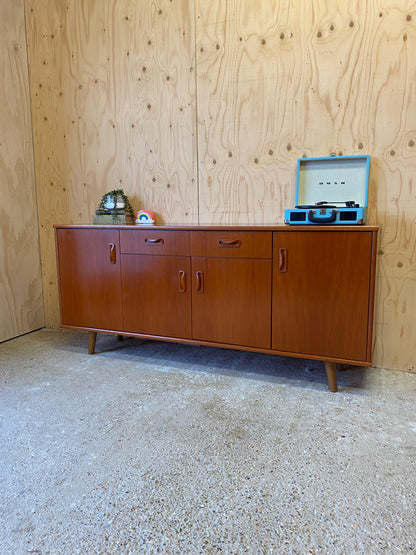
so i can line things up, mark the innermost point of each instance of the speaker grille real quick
(348, 216)
(298, 216)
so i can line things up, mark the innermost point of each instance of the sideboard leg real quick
(92, 337)
(331, 374)
(120, 337)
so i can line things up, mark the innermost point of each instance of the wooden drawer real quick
(155, 241)
(232, 244)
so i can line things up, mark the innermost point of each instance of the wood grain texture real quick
(131, 94)
(327, 303)
(113, 96)
(21, 302)
(278, 80)
(90, 278)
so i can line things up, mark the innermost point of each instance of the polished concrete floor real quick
(150, 447)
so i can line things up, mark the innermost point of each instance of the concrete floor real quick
(162, 448)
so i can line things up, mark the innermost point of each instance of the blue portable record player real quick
(330, 190)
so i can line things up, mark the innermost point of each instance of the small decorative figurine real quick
(145, 217)
(114, 208)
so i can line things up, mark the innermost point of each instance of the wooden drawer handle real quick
(182, 281)
(112, 251)
(200, 282)
(156, 241)
(229, 244)
(282, 260)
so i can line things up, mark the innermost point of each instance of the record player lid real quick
(326, 180)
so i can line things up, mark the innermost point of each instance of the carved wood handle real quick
(155, 241)
(112, 251)
(200, 282)
(230, 244)
(182, 281)
(282, 260)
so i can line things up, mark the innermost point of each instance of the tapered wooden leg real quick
(92, 337)
(331, 374)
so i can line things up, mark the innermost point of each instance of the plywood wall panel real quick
(244, 121)
(21, 302)
(113, 96)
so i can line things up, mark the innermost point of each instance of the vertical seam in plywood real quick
(33, 162)
(196, 116)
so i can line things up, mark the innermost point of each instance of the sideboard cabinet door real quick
(156, 282)
(89, 278)
(156, 295)
(231, 287)
(322, 293)
(231, 301)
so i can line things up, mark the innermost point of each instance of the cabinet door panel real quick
(321, 293)
(231, 301)
(89, 271)
(156, 294)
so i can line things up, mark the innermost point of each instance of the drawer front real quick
(155, 241)
(232, 244)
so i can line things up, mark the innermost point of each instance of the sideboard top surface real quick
(176, 227)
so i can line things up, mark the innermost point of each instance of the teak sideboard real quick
(304, 292)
